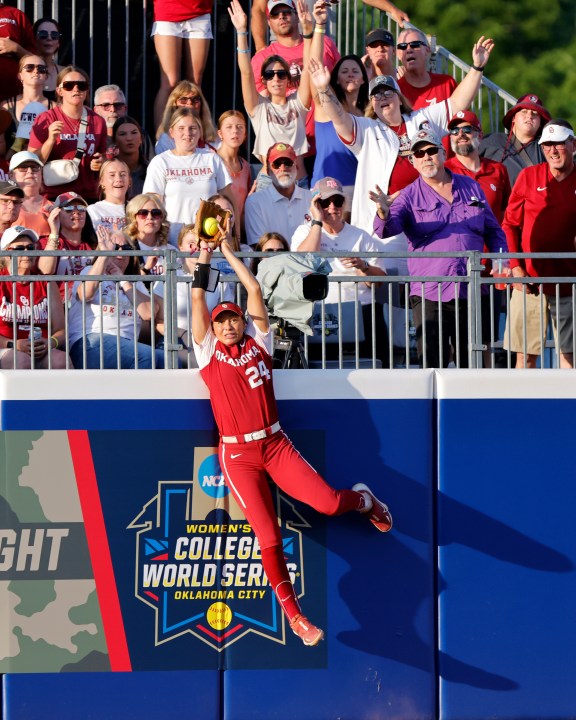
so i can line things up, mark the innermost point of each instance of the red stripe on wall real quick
(99, 550)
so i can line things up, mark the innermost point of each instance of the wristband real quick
(54, 347)
(316, 222)
(480, 69)
(53, 236)
(145, 270)
(241, 32)
(243, 52)
(207, 248)
(320, 30)
(309, 36)
(201, 276)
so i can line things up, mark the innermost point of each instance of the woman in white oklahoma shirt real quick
(187, 174)
(111, 312)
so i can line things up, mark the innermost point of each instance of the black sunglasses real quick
(280, 74)
(112, 106)
(75, 208)
(277, 164)
(414, 44)
(45, 34)
(69, 85)
(468, 129)
(29, 67)
(336, 200)
(429, 151)
(21, 248)
(156, 213)
(123, 247)
(189, 100)
(277, 13)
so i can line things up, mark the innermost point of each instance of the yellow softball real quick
(210, 226)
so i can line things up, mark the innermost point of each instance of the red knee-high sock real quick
(279, 578)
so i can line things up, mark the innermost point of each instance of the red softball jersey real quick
(240, 381)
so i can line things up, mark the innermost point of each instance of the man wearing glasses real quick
(438, 212)
(419, 86)
(541, 217)
(465, 136)
(282, 206)
(11, 199)
(110, 103)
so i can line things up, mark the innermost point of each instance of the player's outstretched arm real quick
(256, 306)
(200, 314)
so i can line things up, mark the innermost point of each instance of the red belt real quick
(249, 437)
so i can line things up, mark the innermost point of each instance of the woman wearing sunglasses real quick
(148, 230)
(26, 107)
(114, 187)
(48, 36)
(276, 117)
(70, 229)
(55, 133)
(187, 174)
(112, 311)
(26, 172)
(36, 301)
(328, 232)
(186, 95)
(381, 140)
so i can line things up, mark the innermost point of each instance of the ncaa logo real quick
(211, 479)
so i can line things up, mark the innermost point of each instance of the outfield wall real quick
(122, 551)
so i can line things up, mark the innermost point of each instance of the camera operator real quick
(327, 231)
(234, 355)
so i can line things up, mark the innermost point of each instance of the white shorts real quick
(198, 28)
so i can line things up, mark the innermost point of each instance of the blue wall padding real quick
(113, 696)
(507, 552)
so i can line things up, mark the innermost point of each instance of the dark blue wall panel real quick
(112, 696)
(507, 552)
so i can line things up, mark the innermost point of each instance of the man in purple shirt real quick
(438, 212)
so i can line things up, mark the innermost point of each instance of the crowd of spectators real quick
(356, 154)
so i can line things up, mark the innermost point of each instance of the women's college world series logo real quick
(198, 563)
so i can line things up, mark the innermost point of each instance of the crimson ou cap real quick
(227, 307)
(465, 116)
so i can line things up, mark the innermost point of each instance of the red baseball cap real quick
(226, 307)
(68, 198)
(465, 116)
(280, 150)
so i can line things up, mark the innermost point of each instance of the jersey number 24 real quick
(256, 374)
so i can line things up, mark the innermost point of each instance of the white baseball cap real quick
(25, 156)
(553, 132)
(14, 232)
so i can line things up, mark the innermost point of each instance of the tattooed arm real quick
(342, 120)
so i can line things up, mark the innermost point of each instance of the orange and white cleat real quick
(308, 633)
(379, 514)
